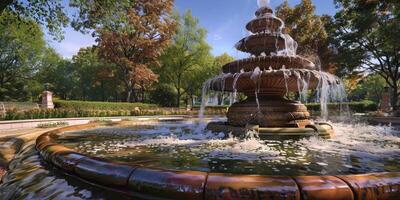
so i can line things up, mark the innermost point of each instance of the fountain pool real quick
(163, 159)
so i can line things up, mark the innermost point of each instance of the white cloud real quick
(217, 37)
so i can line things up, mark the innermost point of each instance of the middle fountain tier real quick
(272, 71)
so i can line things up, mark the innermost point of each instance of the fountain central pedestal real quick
(271, 111)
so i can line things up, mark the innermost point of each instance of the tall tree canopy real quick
(367, 38)
(49, 13)
(20, 54)
(188, 52)
(97, 79)
(308, 29)
(138, 41)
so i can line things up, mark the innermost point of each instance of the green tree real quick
(370, 87)
(21, 47)
(97, 79)
(60, 74)
(93, 15)
(49, 13)
(215, 69)
(136, 44)
(188, 53)
(309, 30)
(367, 37)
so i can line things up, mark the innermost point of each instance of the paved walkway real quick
(26, 124)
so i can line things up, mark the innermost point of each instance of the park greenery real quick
(146, 52)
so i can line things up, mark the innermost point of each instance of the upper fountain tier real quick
(267, 34)
(265, 22)
(270, 44)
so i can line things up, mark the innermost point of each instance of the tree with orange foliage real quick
(137, 42)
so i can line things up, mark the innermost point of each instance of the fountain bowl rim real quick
(140, 181)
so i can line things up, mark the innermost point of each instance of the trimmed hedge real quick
(95, 105)
(362, 106)
(64, 113)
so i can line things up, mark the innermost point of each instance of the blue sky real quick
(224, 20)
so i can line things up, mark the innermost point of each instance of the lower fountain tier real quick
(276, 82)
(274, 112)
(267, 62)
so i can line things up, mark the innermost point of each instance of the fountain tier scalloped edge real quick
(141, 182)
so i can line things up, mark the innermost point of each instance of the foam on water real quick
(358, 138)
(349, 139)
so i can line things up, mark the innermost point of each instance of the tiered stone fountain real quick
(272, 71)
(147, 158)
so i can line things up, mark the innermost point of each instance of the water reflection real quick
(30, 178)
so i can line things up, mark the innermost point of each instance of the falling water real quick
(290, 46)
(235, 80)
(204, 97)
(256, 77)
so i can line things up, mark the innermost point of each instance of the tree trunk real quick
(395, 98)
(102, 91)
(178, 98)
(128, 95)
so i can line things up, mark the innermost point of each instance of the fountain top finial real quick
(262, 3)
(263, 8)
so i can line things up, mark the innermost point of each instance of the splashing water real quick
(290, 46)
(355, 148)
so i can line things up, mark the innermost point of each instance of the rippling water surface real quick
(29, 178)
(355, 148)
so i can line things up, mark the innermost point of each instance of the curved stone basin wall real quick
(141, 182)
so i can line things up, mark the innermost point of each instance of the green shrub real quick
(361, 106)
(164, 95)
(94, 105)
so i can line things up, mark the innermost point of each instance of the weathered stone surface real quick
(167, 184)
(380, 186)
(103, 172)
(236, 187)
(45, 138)
(49, 151)
(258, 25)
(323, 188)
(267, 63)
(262, 42)
(274, 112)
(67, 160)
(269, 83)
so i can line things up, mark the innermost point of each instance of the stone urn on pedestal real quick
(47, 98)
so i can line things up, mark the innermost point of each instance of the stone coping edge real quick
(88, 118)
(149, 183)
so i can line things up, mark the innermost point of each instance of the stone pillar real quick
(47, 100)
(385, 102)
